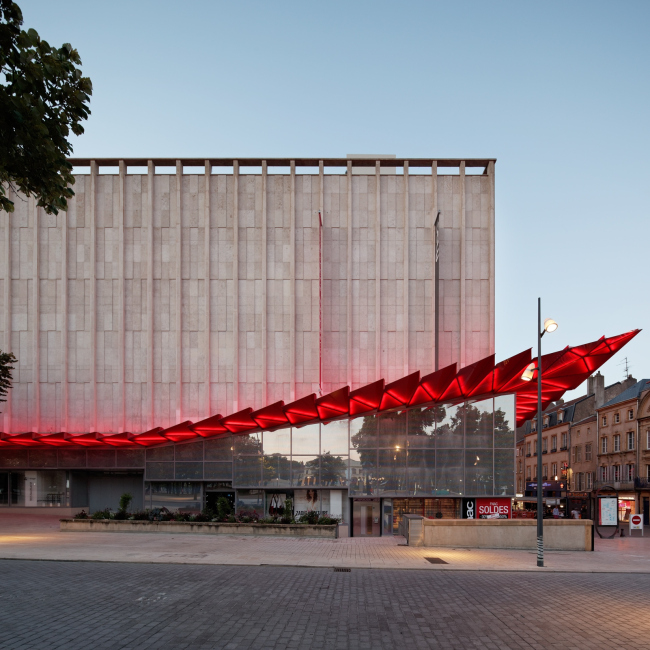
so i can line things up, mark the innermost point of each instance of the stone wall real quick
(164, 297)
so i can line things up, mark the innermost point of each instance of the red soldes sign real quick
(494, 508)
(497, 508)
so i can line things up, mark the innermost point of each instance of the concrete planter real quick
(559, 534)
(197, 528)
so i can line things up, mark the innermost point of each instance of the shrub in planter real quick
(102, 514)
(81, 515)
(287, 519)
(310, 518)
(327, 521)
(121, 515)
(140, 515)
(224, 509)
(231, 519)
(201, 517)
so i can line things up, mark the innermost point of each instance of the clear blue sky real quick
(558, 92)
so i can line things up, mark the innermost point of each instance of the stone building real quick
(623, 430)
(172, 290)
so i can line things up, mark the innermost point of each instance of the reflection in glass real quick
(305, 471)
(504, 421)
(504, 471)
(391, 430)
(449, 430)
(278, 442)
(363, 469)
(306, 440)
(478, 424)
(391, 470)
(449, 471)
(216, 449)
(248, 471)
(189, 471)
(250, 502)
(333, 469)
(175, 496)
(217, 471)
(421, 429)
(276, 469)
(478, 472)
(421, 471)
(250, 443)
(334, 437)
(363, 432)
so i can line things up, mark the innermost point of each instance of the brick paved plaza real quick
(112, 605)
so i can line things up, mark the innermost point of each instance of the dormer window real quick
(560, 416)
(546, 420)
(533, 425)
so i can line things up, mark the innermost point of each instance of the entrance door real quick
(646, 511)
(365, 518)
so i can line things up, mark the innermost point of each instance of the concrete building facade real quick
(169, 293)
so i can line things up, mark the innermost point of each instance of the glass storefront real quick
(35, 489)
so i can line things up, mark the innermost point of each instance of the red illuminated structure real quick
(561, 371)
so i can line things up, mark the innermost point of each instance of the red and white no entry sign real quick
(636, 519)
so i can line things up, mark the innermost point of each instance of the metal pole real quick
(320, 304)
(436, 290)
(540, 481)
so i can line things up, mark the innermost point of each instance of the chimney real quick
(596, 386)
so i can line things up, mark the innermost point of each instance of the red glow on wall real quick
(561, 371)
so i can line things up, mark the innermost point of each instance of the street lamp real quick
(549, 326)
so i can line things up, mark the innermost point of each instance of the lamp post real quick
(549, 326)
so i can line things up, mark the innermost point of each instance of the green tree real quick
(7, 362)
(43, 97)
(332, 469)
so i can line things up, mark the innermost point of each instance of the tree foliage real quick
(43, 96)
(7, 362)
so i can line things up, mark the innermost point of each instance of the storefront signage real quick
(305, 501)
(497, 508)
(607, 511)
(636, 523)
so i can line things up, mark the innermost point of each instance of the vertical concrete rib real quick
(121, 302)
(7, 303)
(150, 305)
(36, 294)
(405, 323)
(207, 343)
(265, 372)
(348, 293)
(178, 292)
(491, 228)
(321, 267)
(292, 272)
(93, 294)
(377, 270)
(64, 321)
(235, 287)
(436, 282)
(463, 273)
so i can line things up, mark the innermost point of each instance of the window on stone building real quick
(544, 472)
(560, 417)
(604, 420)
(589, 481)
(528, 473)
(553, 443)
(577, 454)
(617, 442)
(616, 473)
(629, 473)
(519, 490)
(528, 446)
(630, 414)
(588, 451)
(603, 474)
(603, 445)
(630, 440)
(554, 470)
(617, 418)
(544, 445)
(580, 481)
(563, 440)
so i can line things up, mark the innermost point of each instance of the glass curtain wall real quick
(465, 449)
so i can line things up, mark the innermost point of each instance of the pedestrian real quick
(556, 512)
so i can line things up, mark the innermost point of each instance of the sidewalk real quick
(29, 537)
